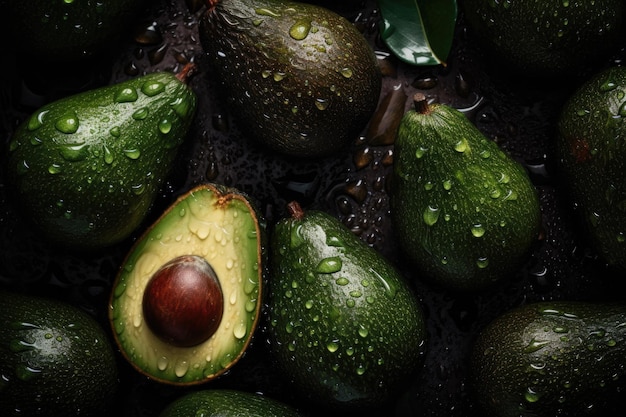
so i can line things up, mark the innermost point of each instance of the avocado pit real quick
(183, 301)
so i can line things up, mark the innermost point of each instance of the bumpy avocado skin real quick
(345, 328)
(591, 152)
(221, 225)
(299, 78)
(464, 212)
(557, 359)
(86, 168)
(227, 403)
(546, 38)
(55, 360)
(70, 30)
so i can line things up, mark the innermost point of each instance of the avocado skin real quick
(92, 188)
(591, 157)
(59, 31)
(347, 339)
(464, 212)
(558, 359)
(303, 98)
(227, 403)
(55, 360)
(546, 38)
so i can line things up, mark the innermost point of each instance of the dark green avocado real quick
(463, 211)
(591, 151)
(55, 360)
(556, 359)
(186, 302)
(546, 38)
(227, 403)
(86, 168)
(298, 77)
(67, 30)
(345, 328)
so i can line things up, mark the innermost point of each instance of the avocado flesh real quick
(86, 168)
(464, 212)
(592, 161)
(227, 403)
(299, 78)
(345, 327)
(49, 352)
(222, 227)
(546, 38)
(558, 358)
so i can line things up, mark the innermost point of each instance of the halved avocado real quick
(187, 298)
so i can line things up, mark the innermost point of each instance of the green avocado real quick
(68, 30)
(344, 327)
(227, 403)
(546, 38)
(55, 360)
(87, 168)
(300, 78)
(557, 359)
(464, 212)
(186, 301)
(591, 154)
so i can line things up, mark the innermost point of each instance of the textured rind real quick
(551, 359)
(592, 159)
(344, 338)
(464, 212)
(305, 98)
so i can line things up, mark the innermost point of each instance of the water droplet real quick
(181, 368)
(482, 262)
(346, 72)
(67, 124)
(462, 145)
(115, 132)
(431, 215)
(108, 156)
(26, 373)
(36, 121)
(162, 363)
(300, 29)
(607, 86)
(140, 114)
(342, 281)
(126, 95)
(478, 230)
(240, 331)
(74, 153)
(182, 107)
(535, 345)
(363, 332)
(447, 185)
(55, 169)
(419, 153)
(152, 88)
(132, 153)
(329, 265)
(531, 396)
(165, 126)
(332, 346)
(262, 11)
(321, 104)
(279, 76)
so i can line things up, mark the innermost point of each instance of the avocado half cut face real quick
(187, 299)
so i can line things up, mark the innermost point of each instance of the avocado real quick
(87, 167)
(464, 212)
(546, 38)
(186, 301)
(55, 359)
(227, 403)
(344, 327)
(300, 78)
(68, 30)
(554, 358)
(592, 161)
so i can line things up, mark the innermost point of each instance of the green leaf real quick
(418, 32)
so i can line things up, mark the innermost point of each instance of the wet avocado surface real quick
(353, 186)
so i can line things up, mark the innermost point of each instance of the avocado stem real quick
(186, 73)
(210, 4)
(421, 103)
(295, 210)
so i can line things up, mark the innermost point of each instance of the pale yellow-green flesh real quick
(227, 236)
